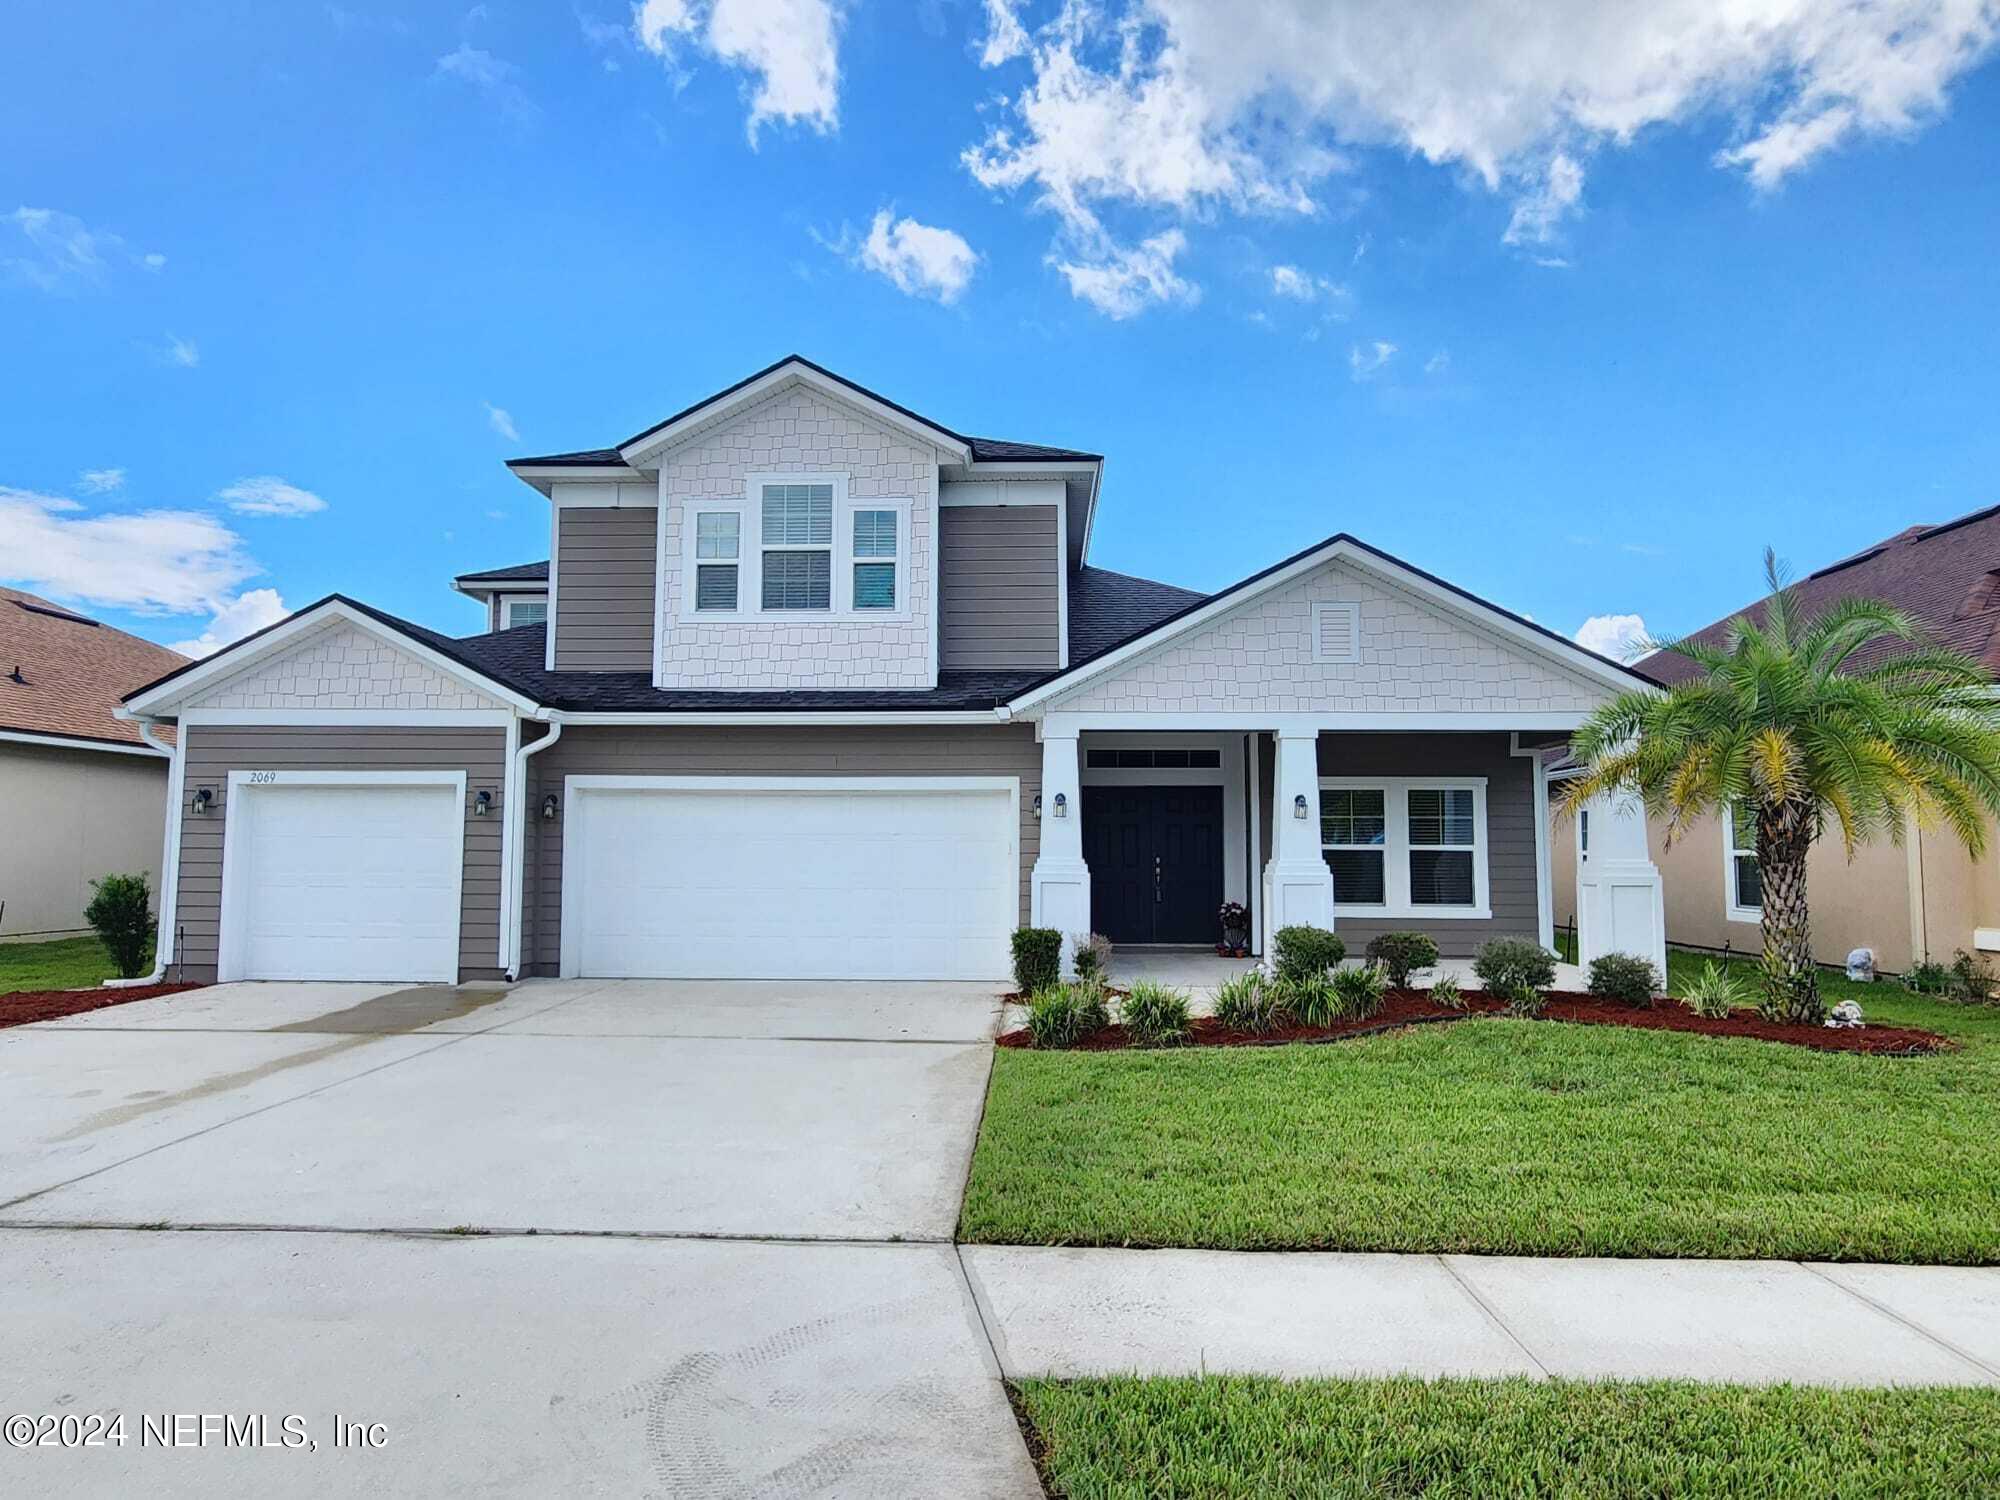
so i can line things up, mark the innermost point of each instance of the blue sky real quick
(1578, 310)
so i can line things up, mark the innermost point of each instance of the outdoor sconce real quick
(549, 808)
(203, 799)
(482, 804)
(1299, 805)
(1062, 805)
(1038, 807)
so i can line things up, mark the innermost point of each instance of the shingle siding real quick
(999, 576)
(1003, 750)
(342, 667)
(213, 751)
(605, 561)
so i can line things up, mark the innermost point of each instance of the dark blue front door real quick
(1155, 855)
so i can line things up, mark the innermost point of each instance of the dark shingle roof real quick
(1000, 450)
(1947, 576)
(531, 572)
(1106, 609)
(585, 458)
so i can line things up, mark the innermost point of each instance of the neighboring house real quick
(1928, 897)
(84, 794)
(828, 689)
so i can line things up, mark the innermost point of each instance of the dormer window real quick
(798, 547)
(875, 556)
(525, 609)
(718, 544)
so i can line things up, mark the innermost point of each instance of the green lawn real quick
(1470, 1440)
(64, 964)
(1504, 1136)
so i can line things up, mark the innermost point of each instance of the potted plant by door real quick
(1235, 919)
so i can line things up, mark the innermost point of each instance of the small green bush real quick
(1713, 992)
(1310, 1000)
(1064, 1014)
(1251, 1003)
(1927, 977)
(1090, 956)
(1624, 977)
(1508, 963)
(1401, 954)
(1444, 991)
(1971, 978)
(1037, 959)
(1154, 1015)
(1523, 1000)
(121, 914)
(1304, 951)
(1359, 992)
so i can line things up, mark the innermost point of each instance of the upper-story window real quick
(798, 546)
(523, 611)
(718, 543)
(875, 554)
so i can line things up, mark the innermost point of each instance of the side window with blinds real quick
(718, 540)
(1336, 632)
(798, 546)
(875, 559)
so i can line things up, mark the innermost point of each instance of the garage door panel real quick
(677, 882)
(344, 881)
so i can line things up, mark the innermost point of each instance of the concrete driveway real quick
(577, 1236)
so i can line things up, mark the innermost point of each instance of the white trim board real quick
(74, 742)
(407, 718)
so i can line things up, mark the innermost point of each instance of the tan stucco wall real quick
(72, 817)
(1866, 903)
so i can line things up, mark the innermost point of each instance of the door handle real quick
(1156, 880)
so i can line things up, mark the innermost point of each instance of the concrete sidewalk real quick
(1182, 1312)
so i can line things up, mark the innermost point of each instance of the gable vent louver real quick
(1336, 632)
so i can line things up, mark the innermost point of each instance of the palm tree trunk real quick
(1791, 979)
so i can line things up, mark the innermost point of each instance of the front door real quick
(1155, 855)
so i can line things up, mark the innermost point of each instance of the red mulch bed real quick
(48, 1005)
(1414, 1008)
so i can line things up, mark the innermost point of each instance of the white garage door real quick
(351, 880)
(787, 879)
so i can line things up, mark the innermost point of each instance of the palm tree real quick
(1779, 725)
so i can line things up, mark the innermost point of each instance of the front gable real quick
(342, 667)
(1290, 649)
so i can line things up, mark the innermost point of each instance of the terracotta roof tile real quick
(63, 673)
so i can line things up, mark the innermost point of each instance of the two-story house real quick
(811, 685)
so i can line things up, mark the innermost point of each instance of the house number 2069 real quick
(261, 778)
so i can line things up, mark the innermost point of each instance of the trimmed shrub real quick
(1037, 959)
(1251, 1003)
(1401, 954)
(1090, 956)
(1523, 1000)
(1445, 991)
(1154, 1015)
(1624, 977)
(1064, 1014)
(1358, 993)
(1508, 963)
(1304, 951)
(120, 912)
(1713, 992)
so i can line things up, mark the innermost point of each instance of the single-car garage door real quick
(342, 876)
(759, 878)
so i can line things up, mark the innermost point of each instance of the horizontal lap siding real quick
(998, 582)
(1005, 750)
(605, 562)
(213, 751)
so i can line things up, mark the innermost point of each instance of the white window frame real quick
(508, 602)
(749, 509)
(1732, 909)
(693, 561)
(1396, 847)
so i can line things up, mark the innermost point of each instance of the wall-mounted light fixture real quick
(1299, 805)
(549, 808)
(1062, 805)
(203, 799)
(482, 803)
(1038, 807)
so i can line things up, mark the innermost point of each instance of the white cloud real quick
(492, 76)
(268, 495)
(153, 562)
(1365, 361)
(100, 481)
(1122, 282)
(918, 259)
(1187, 106)
(246, 614)
(180, 352)
(1438, 363)
(791, 48)
(501, 421)
(1620, 637)
(1297, 285)
(52, 251)
(1006, 37)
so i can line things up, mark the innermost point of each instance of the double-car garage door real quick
(860, 878)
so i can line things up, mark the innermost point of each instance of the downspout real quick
(517, 807)
(170, 864)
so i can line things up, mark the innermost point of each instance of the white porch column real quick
(1620, 899)
(1298, 886)
(1060, 885)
